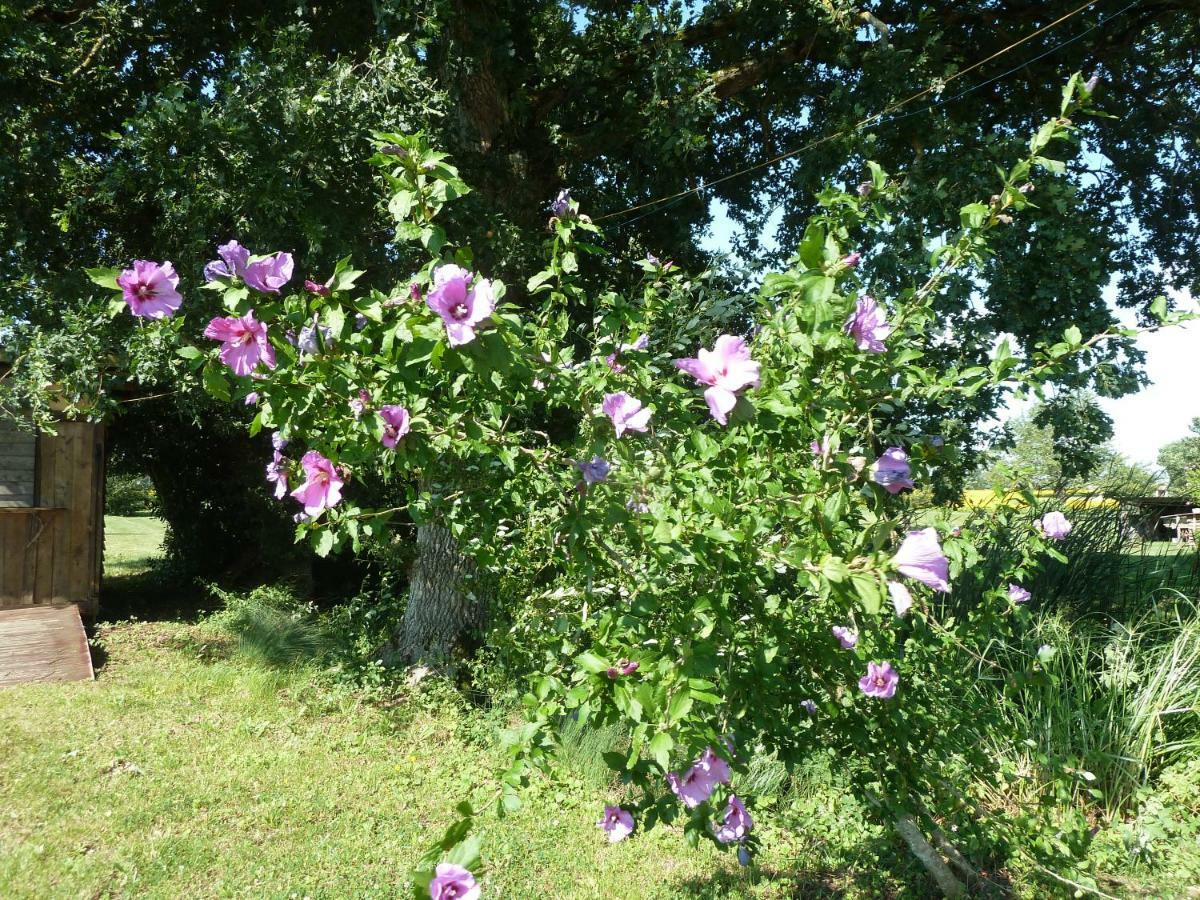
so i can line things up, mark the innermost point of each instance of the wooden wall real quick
(51, 551)
(18, 465)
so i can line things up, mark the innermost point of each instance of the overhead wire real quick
(657, 205)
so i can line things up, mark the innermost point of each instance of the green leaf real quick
(466, 854)
(343, 276)
(538, 280)
(812, 246)
(106, 278)
(591, 663)
(834, 569)
(1158, 308)
(323, 541)
(681, 705)
(189, 352)
(869, 592)
(660, 749)
(215, 383)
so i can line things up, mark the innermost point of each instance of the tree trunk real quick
(946, 880)
(447, 601)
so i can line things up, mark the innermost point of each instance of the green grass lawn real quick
(131, 544)
(188, 770)
(185, 771)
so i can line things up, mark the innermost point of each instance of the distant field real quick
(131, 544)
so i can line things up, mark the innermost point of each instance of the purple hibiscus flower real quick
(697, 783)
(461, 301)
(245, 342)
(395, 425)
(920, 557)
(561, 205)
(1054, 525)
(617, 823)
(453, 882)
(847, 637)
(593, 470)
(232, 262)
(727, 368)
(277, 473)
(880, 681)
(150, 289)
(868, 325)
(1018, 594)
(626, 413)
(269, 274)
(737, 822)
(891, 471)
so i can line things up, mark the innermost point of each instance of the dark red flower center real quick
(459, 311)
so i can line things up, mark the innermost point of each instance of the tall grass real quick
(1122, 701)
(1110, 569)
(272, 628)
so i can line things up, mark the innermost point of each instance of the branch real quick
(737, 78)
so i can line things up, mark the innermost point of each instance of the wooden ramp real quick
(43, 643)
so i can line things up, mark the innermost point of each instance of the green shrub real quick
(129, 495)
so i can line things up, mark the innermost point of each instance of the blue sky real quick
(1142, 422)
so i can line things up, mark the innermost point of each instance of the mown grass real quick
(188, 771)
(131, 544)
(212, 759)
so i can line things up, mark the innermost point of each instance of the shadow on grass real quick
(779, 883)
(872, 868)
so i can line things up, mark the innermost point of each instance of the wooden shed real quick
(51, 516)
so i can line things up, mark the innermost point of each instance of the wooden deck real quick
(43, 643)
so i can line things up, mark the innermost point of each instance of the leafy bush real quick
(129, 495)
(714, 543)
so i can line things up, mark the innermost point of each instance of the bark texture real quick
(447, 600)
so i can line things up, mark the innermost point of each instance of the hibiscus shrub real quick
(727, 566)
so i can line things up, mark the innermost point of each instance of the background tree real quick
(1181, 461)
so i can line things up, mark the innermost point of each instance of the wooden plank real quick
(96, 518)
(79, 556)
(7, 554)
(33, 528)
(43, 644)
(60, 493)
(12, 565)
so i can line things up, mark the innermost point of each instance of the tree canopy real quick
(163, 128)
(1181, 461)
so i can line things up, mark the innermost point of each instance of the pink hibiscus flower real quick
(727, 368)
(322, 487)
(245, 342)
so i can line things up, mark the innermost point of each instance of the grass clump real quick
(1121, 702)
(272, 627)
